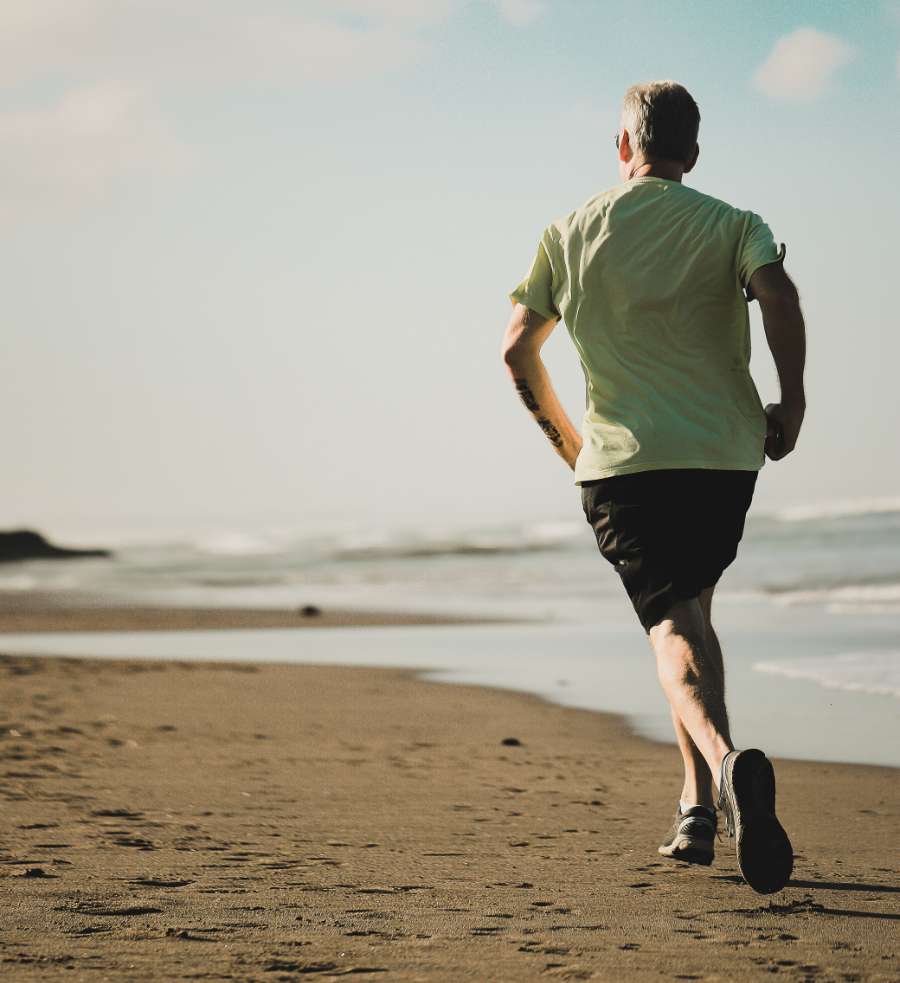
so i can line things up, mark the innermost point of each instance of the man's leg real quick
(697, 787)
(698, 781)
(696, 695)
(688, 662)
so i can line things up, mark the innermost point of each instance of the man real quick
(653, 280)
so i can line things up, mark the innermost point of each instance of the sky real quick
(257, 255)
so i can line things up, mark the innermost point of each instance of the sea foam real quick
(839, 509)
(875, 672)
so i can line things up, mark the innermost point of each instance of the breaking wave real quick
(839, 509)
(860, 672)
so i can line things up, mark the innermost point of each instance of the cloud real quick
(169, 42)
(801, 65)
(520, 12)
(410, 11)
(164, 42)
(103, 69)
(84, 81)
(78, 144)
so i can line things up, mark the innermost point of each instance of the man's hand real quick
(786, 335)
(784, 422)
(525, 334)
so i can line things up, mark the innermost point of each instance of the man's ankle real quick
(717, 765)
(697, 797)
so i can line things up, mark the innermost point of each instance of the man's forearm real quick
(533, 385)
(786, 335)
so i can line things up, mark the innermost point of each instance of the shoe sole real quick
(764, 853)
(689, 850)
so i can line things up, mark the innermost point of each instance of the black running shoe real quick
(692, 836)
(747, 798)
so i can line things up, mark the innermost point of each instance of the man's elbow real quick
(787, 294)
(773, 288)
(781, 307)
(517, 354)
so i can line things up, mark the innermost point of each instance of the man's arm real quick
(525, 335)
(786, 335)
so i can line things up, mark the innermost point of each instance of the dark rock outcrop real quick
(25, 544)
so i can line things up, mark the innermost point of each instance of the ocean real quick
(808, 614)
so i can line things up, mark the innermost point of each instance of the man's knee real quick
(679, 673)
(685, 620)
(678, 641)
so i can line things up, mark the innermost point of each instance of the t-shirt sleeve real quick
(757, 248)
(537, 289)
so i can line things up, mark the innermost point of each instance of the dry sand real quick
(174, 820)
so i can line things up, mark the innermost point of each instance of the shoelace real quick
(724, 803)
(729, 816)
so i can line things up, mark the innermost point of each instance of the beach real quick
(343, 634)
(172, 820)
(35, 611)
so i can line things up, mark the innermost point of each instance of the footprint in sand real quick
(152, 882)
(36, 872)
(117, 813)
(136, 842)
(188, 935)
(125, 910)
(289, 966)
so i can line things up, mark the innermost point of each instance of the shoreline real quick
(506, 654)
(425, 674)
(34, 611)
(330, 820)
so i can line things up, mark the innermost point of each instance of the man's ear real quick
(625, 151)
(693, 159)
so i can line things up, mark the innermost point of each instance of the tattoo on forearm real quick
(527, 396)
(553, 435)
(524, 391)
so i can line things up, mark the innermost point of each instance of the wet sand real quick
(44, 611)
(174, 820)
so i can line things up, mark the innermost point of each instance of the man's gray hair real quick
(662, 120)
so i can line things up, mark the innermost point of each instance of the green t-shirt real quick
(649, 277)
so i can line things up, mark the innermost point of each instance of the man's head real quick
(659, 126)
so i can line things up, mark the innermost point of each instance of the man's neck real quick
(657, 168)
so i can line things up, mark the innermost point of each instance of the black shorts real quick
(669, 533)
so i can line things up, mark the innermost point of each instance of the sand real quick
(44, 611)
(221, 821)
